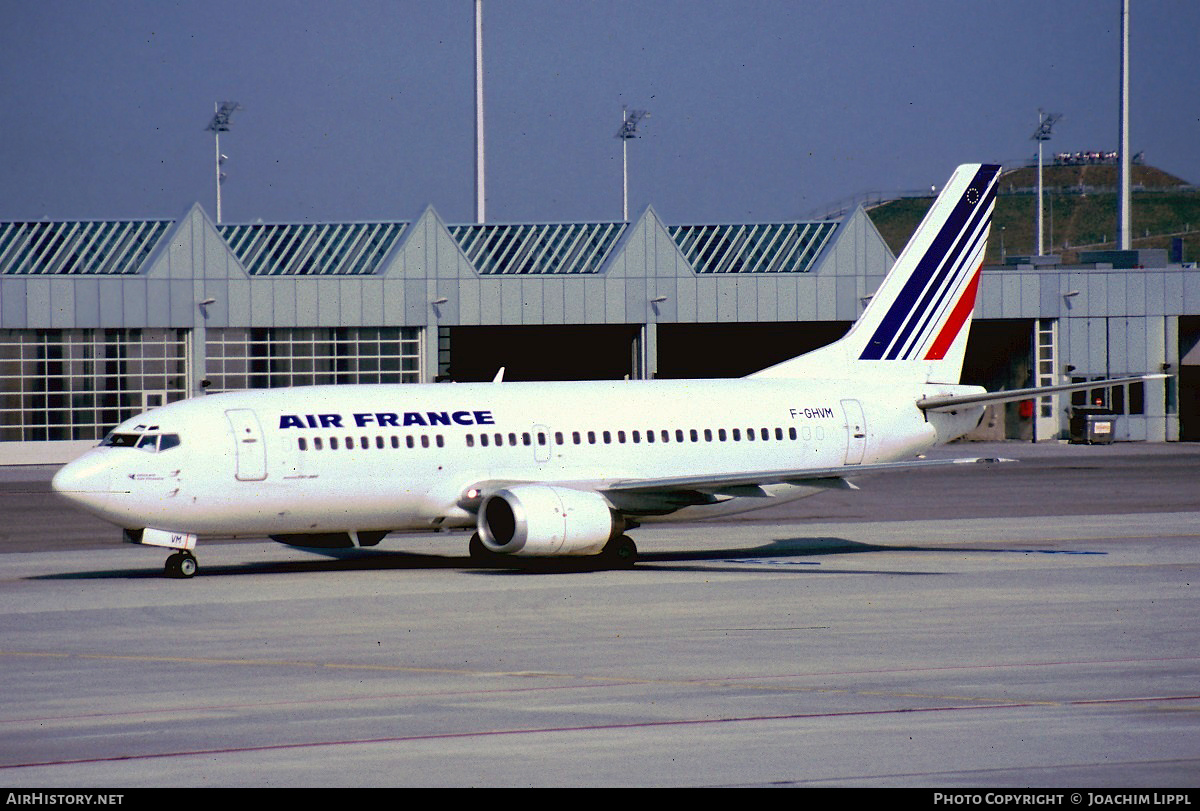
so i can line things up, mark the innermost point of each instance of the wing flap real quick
(813, 477)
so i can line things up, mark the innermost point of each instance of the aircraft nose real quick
(86, 481)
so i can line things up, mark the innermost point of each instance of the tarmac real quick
(1024, 624)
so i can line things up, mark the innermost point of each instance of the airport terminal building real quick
(100, 320)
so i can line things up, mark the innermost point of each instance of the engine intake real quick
(541, 520)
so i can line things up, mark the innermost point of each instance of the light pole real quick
(222, 114)
(480, 173)
(1046, 122)
(628, 131)
(1124, 198)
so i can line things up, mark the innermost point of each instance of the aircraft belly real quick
(299, 506)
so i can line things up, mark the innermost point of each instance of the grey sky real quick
(760, 109)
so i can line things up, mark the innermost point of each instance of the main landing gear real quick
(182, 565)
(619, 553)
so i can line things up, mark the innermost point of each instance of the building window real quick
(243, 358)
(63, 384)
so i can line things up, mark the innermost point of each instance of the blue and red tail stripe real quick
(939, 295)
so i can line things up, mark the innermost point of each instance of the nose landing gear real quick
(181, 565)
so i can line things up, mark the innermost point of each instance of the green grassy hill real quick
(1080, 213)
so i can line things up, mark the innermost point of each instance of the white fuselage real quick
(403, 457)
(562, 468)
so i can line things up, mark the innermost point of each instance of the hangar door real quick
(735, 350)
(1189, 378)
(538, 352)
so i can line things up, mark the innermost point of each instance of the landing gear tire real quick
(621, 553)
(182, 565)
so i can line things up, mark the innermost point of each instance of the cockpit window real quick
(150, 443)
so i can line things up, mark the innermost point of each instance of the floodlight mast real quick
(480, 172)
(222, 114)
(1124, 179)
(1046, 122)
(628, 131)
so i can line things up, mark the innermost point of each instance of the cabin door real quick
(856, 431)
(249, 448)
(543, 448)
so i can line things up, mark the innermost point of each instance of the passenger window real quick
(621, 437)
(317, 443)
(483, 440)
(721, 434)
(440, 440)
(302, 444)
(708, 435)
(333, 443)
(470, 440)
(395, 441)
(424, 440)
(575, 437)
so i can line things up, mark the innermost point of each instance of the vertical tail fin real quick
(916, 324)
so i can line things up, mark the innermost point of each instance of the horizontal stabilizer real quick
(953, 401)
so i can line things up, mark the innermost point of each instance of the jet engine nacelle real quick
(541, 519)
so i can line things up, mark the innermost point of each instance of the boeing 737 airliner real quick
(547, 469)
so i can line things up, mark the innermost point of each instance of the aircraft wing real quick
(953, 401)
(666, 494)
(740, 483)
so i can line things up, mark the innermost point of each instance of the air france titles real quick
(387, 419)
